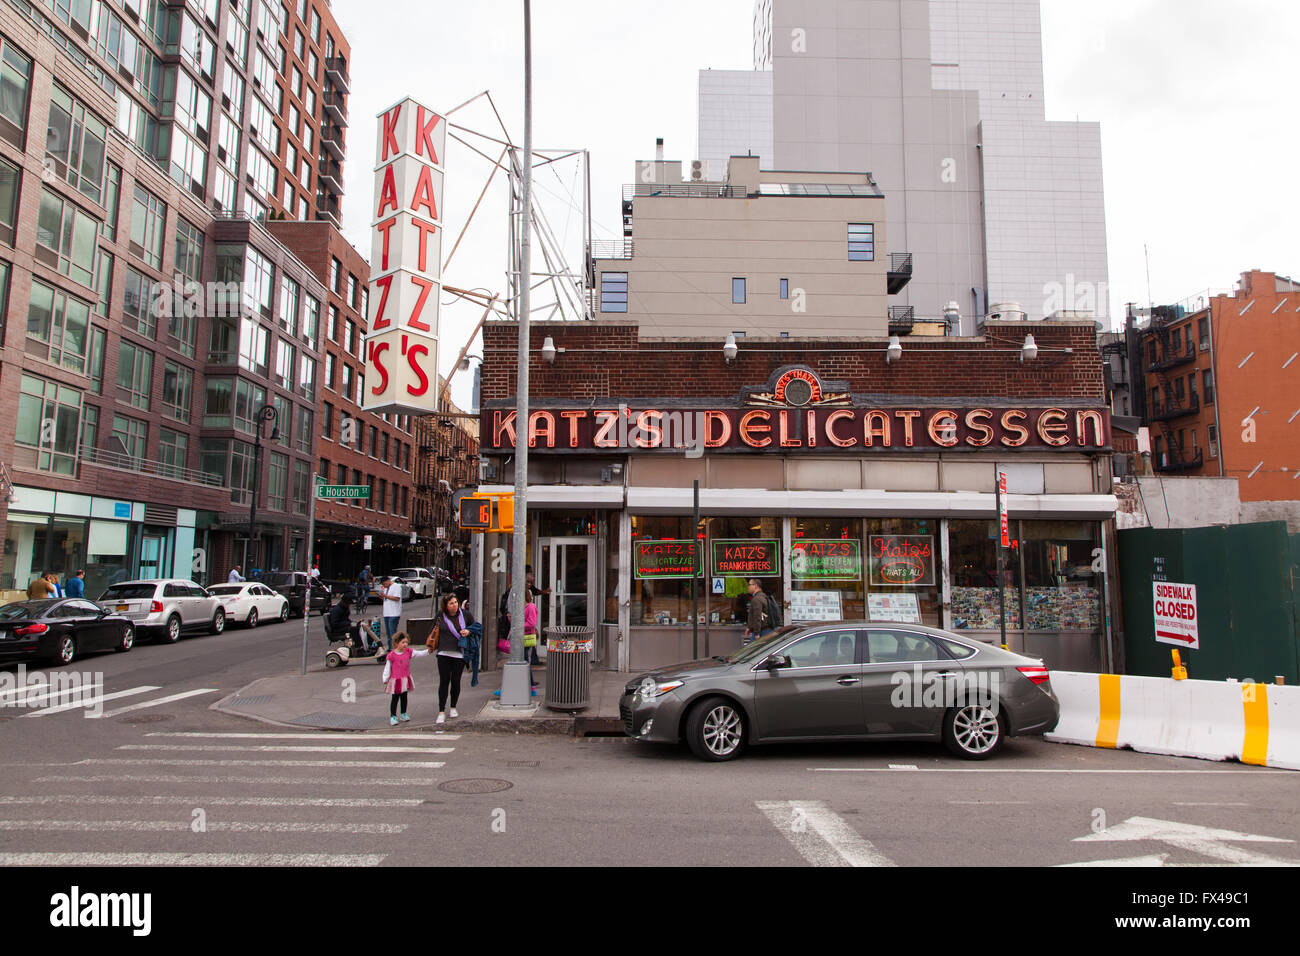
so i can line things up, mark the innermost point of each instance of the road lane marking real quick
(191, 859)
(39, 693)
(95, 799)
(1179, 803)
(155, 703)
(820, 835)
(94, 701)
(319, 735)
(413, 782)
(218, 826)
(1193, 838)
(982, 803)
(161, 761)
(902, 766)
(1258, 772)
(288, 748)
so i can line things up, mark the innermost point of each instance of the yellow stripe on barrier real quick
(1108, 726)
(1254, 703)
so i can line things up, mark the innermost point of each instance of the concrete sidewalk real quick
(353, 698)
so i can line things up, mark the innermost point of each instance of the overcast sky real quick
(1195, 98)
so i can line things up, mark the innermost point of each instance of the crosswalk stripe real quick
(319, 735)
(288, 748)
(191, 859)
(820, 834)
(161, 761)
(213, 826)
(95, 799)
(414, 782)
(39, 694)
(154, 703)
(94, 701)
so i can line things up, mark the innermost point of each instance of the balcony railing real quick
(336, 108)
(143, 466)
(1172, 361)
(332, 141)
(336, 70)
(900, 271)
(711, 190)
(1169, 410)
(901, 319)
(1166, 461)
(611, 249)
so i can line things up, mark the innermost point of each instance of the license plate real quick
(123, 607)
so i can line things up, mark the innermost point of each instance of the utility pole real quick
(516, 691)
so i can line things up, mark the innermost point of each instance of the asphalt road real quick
(175, 782)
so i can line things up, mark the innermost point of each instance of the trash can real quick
(568, 667)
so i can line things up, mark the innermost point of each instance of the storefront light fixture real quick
(729, 348)
(549, 350)
(895, 350)
(1028, 351)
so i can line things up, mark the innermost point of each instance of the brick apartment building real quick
(355, 447)
(140, 143)
(447, 460)
(1221, 386)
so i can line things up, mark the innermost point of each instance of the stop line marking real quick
(820, 835)
(896, 769)
(155, 703)
(319, 735)
(288, 748)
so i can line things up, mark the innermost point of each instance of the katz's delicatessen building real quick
(853, 484)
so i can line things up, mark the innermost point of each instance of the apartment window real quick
(103, 283)
(286, 360)
(134, 374)
(1214, 441)
(75, 140)
(254, 346)
(1203, 332)
(89, 427)
(248, 399)
(383, 447)
(232, 98)
(1191, 389)
(261, 172)
(1151, 353)
(189, 250)
(305, 434)
(1180, 392)
(283, 419)
(613, 292)
(310, 321)
(785, 288)
(327, 422)
(288, 305)
(277, 481)
(374, 441)
(342, 477)
(69, 234)
(301, 486)
(173, 450)
(112, 199)
(15, 78)
(307, 377)
(383, 495)
(356, 480)
(259, 280)
(370, 483)
(351, 344)
(862, 242)
(148, 216)
(1155, 401)
(98, 346)
(57, 327)
(313, 62)
(329, 371)
(133, 435)
(178, 391)
(346, 388)
(1176, 341)
(40, 401)
(1207, 379)
(336, 269)
(738, 291)
(137, 304)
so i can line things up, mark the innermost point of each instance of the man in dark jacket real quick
(759, 621)
(340, 618)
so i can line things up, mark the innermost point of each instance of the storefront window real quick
(1062, 592)
(973, 565)
(903, 568)
(19, 564)
(826, 570)
(739, 549)
(661, 581)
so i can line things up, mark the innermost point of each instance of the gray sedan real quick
(845, 681)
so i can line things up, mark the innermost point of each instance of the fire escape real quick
(446, 461)
(1167, 407)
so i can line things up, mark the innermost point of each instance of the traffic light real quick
(476, 513)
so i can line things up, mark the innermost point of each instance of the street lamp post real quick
(267, 413)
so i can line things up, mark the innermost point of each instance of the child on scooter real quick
(397, 674)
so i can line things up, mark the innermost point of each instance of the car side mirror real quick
(776, 662)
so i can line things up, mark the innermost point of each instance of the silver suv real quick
(165, 608)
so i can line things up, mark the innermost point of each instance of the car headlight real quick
(651, 688)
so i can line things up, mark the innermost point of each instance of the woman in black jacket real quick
(451, 628)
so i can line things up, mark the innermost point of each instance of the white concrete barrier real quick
(1212, 720)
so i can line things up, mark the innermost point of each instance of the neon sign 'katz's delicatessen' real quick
(844, 506)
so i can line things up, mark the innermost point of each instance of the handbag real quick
(530, 640)
(431, 642)
(503, 645)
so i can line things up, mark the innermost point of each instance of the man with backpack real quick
(764, 612)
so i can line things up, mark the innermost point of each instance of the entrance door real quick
(151, 556)
(568, 567)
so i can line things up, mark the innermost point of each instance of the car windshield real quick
(763, 646)
(24, 610)
(124, 592)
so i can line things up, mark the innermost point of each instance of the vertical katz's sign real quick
(405, 261)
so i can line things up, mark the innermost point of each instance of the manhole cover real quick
(249, 701)
(475, 785)
(147, 719)
(523, 763)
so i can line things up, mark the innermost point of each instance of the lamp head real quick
(895, 350)
(729, 348)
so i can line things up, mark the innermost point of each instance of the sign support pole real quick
(1002, 558)
(516, 690)
(695, 588)
(311, 547)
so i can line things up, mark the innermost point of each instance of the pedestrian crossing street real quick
(194, 798)
(45, 699)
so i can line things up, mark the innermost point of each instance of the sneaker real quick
(404, 717)
(392, 721)
(453, 712)
(442, 719)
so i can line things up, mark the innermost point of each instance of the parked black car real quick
(295, 586)
(60, 629)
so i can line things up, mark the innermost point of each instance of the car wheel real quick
(65, 650)
(128, 639)
(974, 731)
(284, 612)
(715, 730)
(252, 618)
(219, 621)
(173, 629)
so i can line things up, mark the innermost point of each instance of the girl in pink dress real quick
(397, 674)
